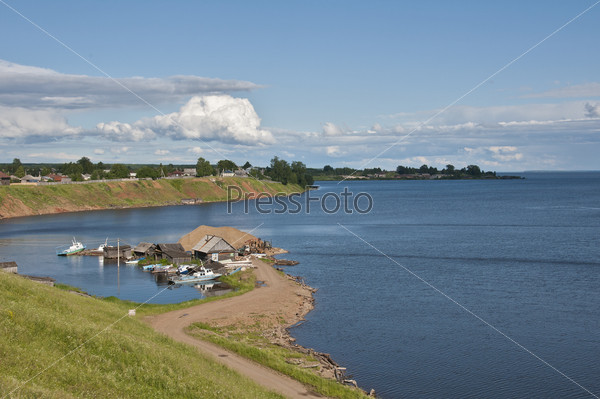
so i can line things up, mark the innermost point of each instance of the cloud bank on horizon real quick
(36, 103)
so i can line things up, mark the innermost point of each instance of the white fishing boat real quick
(201, 275)
(134, 261)
(75, 247)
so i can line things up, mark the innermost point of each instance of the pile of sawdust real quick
(233, 236)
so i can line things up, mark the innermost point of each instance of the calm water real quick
(521, 255)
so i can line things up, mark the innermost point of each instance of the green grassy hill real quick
(56, 344)
(16, 200)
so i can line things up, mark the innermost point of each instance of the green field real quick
(56, 344)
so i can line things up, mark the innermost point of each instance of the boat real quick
(185, 269)
(134, 261)
(75, 247)
(100, 249)
(201, 275)
(149, 268)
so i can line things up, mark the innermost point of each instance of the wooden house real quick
(214, 248)
(4, 179)
(173, 253)
(145, 249)
(112, 252)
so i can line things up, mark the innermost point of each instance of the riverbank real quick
(277, 303)
(30, 200)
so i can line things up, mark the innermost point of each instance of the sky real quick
(509, 86)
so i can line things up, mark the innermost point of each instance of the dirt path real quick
(279, 299)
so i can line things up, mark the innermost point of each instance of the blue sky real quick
(324, 82)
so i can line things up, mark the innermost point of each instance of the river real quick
(463, 289)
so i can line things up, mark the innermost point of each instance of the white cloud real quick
(119, 150)
(196, 150)
(124, 131)
(98, 151)
(51, 155)
(331, 129)
(592, 110)
(21, 123)
(334, 151)
(161, 152)
(221, 118)
(33, 87)
(591, 89)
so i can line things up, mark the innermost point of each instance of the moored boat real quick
(75, 247)
(201, 275)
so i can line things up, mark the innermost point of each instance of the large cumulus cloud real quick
(214, 117)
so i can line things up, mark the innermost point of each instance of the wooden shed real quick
(214, 248)
(144, 249)
(9, 267)
(112, 252)
(4, 179)
(173, 253)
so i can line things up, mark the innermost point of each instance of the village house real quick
(227, 173)
(144, 249)
(112, 252)
(240, 173)
(28, 179)
(176, 173)
(189, 171)
(4, 179)
(214, 248)
(173, 253)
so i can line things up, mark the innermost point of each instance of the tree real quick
(280, 170)
(424, 169)
(20, 172)
(450, 169)
(247, 165)
(16, 163)
(203, 168)
(46, 171)
(119, 171)
(73, 170)
(145, 172)
(327, 169)
(473, 170)
(86, 165)
(226, 164)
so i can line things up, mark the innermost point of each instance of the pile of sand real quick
(235, 237)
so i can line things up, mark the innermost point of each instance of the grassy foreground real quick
(16, 200)
(57, 344)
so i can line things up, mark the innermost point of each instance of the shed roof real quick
(173, 250)
(143, 247)
(210, 244)
(4, 175)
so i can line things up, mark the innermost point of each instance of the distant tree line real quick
(295, 173)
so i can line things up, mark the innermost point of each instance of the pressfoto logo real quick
(280, 203)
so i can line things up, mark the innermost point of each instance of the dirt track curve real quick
(279, 297)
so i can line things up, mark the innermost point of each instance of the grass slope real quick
(18, 200)
(99, 352)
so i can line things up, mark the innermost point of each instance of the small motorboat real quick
(75, 247)
(201, 275)
(134, 261)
